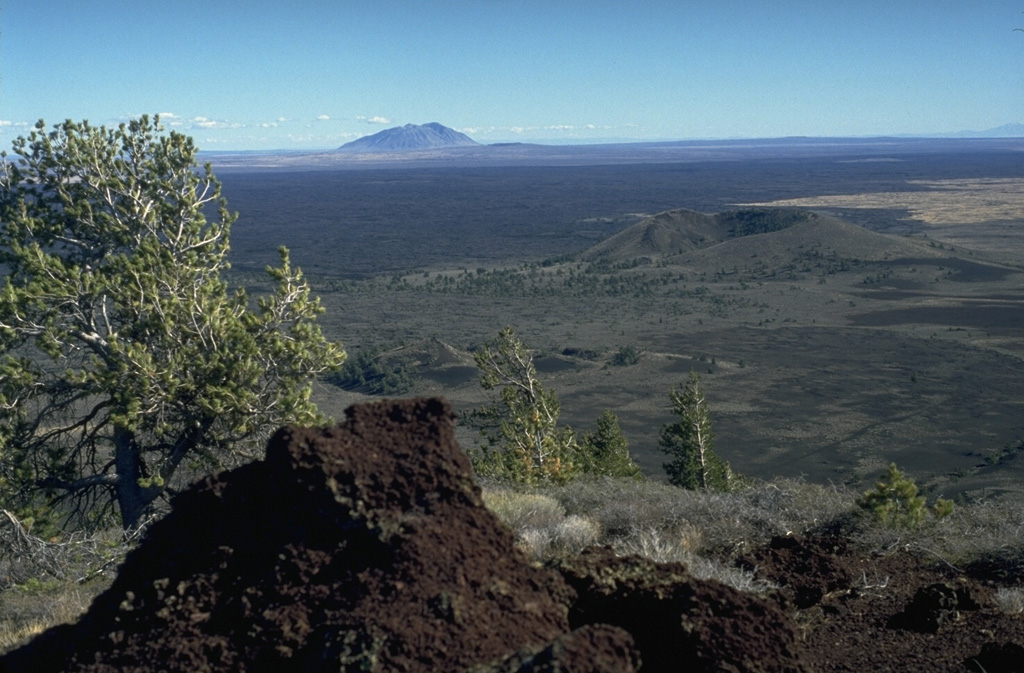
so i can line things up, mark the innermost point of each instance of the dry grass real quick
(969, 201)
(522, 511)
(49, 582)
(541, 524)
(987, 535)
(78, 557)
(1010, 600)
(681, 546)
(705, 531)
(724, 523)
(29, 610)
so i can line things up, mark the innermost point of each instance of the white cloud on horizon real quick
(310, 133)
(207, 123)
(273, 124)
(169, 119)
(177, 121)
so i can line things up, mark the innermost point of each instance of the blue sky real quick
(294, 74)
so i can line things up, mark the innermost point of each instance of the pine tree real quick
(523, 442)
(605, 452)
(690, 441)
(124, 358)
(895, 501)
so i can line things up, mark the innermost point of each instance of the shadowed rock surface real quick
(591, 648)
(806, 568)
(680, 623)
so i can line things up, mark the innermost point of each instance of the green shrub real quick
(626, 356)
(367, 372)
(894, 502)
(522, 440)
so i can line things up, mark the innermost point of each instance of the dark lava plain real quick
(823, 358)
(341, 219)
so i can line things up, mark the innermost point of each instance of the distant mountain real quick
(1004, 131)
(1012, 130)
(410, 137)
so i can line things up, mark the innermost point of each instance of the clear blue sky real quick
(305, 74)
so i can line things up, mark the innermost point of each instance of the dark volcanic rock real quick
(591, 649)
(932, 606)
(680, 623)
(360, 547)
(807, 568)
(410, 137)
(997, 658)
(367, 547)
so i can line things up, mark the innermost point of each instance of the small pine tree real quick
(522, 440)
(605, 452)
(690, 442)
(894, 501)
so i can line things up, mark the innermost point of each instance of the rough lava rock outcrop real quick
(366, 547)
(680, 623)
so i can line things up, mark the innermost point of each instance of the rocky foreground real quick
(367, 547)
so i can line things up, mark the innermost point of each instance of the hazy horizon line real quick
(1018, 133)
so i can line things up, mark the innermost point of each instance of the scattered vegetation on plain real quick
(368, 371)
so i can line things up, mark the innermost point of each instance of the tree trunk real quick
(702, 454)
(132, 497)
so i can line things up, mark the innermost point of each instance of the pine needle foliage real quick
(689, 441)
(522, 439)
(605, 451)
(124, 357)
(895, 502)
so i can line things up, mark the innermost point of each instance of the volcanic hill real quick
(410, 137)
(741, 233)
